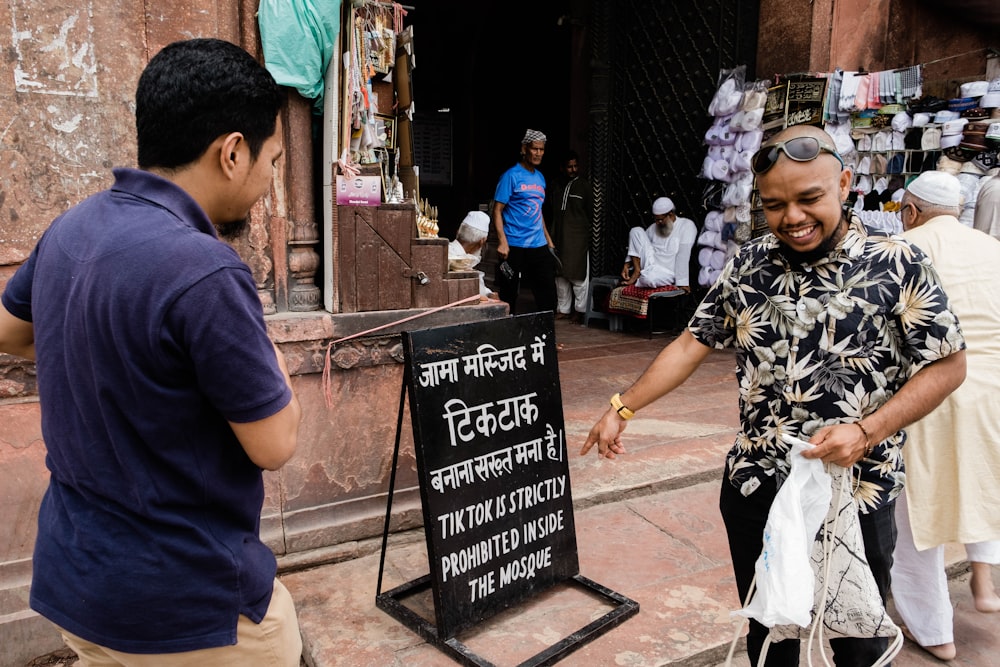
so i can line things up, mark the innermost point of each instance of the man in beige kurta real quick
(987, 215)
(952, 455)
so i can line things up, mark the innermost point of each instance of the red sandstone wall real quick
(799, 35)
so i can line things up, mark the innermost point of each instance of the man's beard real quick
(232, 230)
(820, 251)
(665, 230)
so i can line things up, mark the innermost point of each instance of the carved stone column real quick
(303, 261)
(602, 257)
(303, 257)
(257, 256)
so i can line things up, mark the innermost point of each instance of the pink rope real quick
(327, 363)
(397, 14)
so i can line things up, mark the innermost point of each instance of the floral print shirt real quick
(825, 343)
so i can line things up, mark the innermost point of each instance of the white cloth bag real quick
(839, 592)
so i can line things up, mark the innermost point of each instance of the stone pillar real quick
(600, 135)
(303, 232)
(257, 256)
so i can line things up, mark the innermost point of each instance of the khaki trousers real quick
(274, 642)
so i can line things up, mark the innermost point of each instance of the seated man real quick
(466, 251)
(660, 254)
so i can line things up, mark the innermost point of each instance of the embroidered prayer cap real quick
(662, 206)
(974, 88)
(902, 121)
(930, 140)
(953, 127)
(477, 220)
(938, 188)
(948, 166)
(533, 135)
(992, 97)
(951, 140)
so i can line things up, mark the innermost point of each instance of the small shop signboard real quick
(804, 101)
(359, 190)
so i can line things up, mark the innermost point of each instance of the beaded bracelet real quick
(868, 441)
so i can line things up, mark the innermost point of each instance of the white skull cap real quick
(937, 187)
(662, 206)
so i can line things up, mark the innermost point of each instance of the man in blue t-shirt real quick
(524, 245)
(161, 395)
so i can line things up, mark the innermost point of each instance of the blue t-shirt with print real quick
(522, 193)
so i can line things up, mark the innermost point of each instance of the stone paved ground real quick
(647, 527)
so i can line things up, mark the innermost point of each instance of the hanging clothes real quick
(298, 38)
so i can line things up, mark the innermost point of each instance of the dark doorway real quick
(498, 68)
(625, 83)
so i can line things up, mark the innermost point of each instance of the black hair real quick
(569, 155)
(194, 91)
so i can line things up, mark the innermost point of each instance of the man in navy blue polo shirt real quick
(162, 397)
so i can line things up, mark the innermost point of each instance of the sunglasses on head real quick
(800, 149)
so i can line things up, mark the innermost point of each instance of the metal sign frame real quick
(520, 369)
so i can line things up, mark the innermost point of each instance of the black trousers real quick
(537, 267)
(745, 518)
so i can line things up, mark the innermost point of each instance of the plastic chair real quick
(677, 302)
(608, 282)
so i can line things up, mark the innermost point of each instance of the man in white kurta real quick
(660, 255)
(952, 455)
(465, 252)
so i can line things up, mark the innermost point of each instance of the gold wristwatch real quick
(623, 412)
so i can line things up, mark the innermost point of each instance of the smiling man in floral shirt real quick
(842, 338)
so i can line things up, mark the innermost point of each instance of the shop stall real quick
(888, 126)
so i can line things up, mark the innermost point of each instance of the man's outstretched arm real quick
(669, 370)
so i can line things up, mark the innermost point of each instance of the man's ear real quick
(845, 183)
(231, 152)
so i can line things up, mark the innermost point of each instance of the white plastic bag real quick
(784, 575)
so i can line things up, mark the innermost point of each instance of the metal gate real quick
(655, 70)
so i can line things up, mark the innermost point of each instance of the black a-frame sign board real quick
(494, 481)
